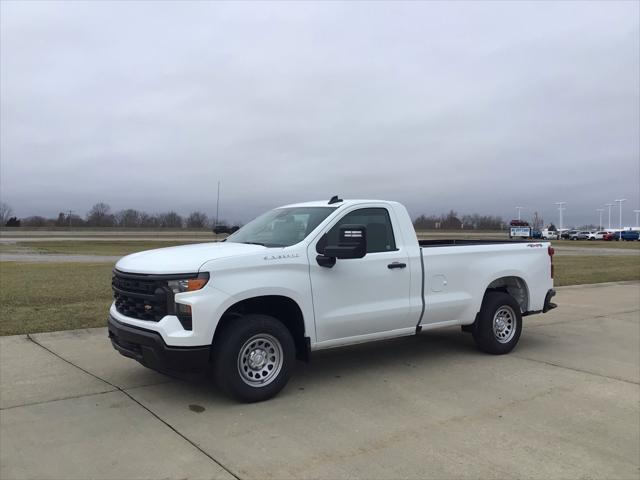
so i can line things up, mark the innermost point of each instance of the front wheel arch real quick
(283, 308)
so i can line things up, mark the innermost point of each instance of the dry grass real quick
(586, 244)
(89, 247)
(42, 297)
(582, 269)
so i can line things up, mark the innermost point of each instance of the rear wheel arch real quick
(283, 308)
(513, 285)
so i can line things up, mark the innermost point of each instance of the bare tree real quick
(197, 220)
(537, 221)
(61, 221)
(128, 218)
(148, 221)
(5, 213)
(170, 220)
(100, 216)
(35, 221)
(452, 221)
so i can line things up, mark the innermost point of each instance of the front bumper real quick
(148, 348)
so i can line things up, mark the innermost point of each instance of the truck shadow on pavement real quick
(429, 351)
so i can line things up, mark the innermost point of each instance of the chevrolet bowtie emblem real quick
(148, 307)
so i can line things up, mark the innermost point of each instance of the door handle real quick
(396, 265)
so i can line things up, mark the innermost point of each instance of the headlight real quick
(188, 284)
(180, 285)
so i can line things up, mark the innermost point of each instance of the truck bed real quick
(457, 242)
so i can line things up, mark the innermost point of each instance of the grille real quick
(142, 297)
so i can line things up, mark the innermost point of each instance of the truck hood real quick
(182, 259)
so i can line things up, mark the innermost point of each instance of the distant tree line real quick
(100, 215)
(453, 221)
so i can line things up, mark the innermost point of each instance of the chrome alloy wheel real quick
(260, 360)
(504, 324)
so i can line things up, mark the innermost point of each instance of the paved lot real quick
(564, 404)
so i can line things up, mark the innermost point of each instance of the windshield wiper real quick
(268, 245)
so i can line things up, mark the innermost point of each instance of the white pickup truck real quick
(317, 275)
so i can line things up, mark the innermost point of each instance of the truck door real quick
(366, 295)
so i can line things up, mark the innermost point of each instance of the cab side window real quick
(379, 230)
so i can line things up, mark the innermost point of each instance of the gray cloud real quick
(465, 105)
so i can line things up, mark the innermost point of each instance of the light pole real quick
(619, 202)
(518, 209)
(600, 210)
(561, 208)
(637, 212)
(217, 204)
(609, 205)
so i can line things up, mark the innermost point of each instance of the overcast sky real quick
(479, 107)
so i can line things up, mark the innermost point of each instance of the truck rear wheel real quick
(499, 324)
(252, 358)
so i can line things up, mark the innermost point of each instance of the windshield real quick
(281, 227)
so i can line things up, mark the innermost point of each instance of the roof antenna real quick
(334, 199)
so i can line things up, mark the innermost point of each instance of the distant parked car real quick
(549, 234)
(536, 234)
(579, 235)
(218, 229)
(610, 236)
(630, 235)
(597, 235)
(568, 234)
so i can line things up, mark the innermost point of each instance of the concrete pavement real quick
(564, 404)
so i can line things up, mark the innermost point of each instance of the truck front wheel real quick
(499, 324)
(253, 357)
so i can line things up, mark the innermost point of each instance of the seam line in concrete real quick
(116, 387)
(113, 389)
(577, 370)
(44, 402)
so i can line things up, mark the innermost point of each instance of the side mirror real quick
(352, 243)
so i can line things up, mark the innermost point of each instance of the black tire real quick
(483, 332)
(232, 350)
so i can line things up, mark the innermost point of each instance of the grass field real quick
(124, 247)
(89, 247)
(582, 269)
(42, 297)
(596, 244)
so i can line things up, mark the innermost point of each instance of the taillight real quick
(551, 252)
